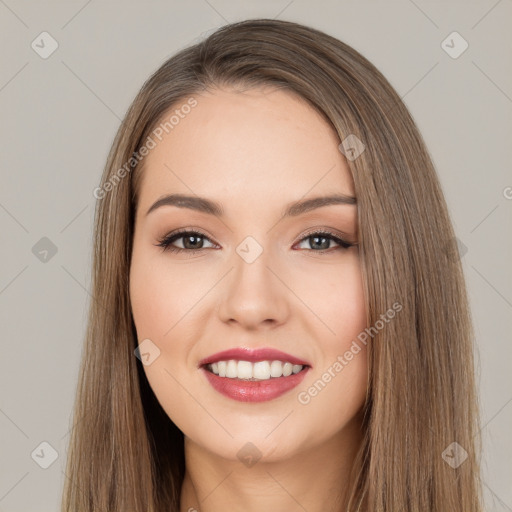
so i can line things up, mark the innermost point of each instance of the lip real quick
(253, 355)
(254, 391)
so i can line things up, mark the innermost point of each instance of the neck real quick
(314, 480)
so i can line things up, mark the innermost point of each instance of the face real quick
(246, 277)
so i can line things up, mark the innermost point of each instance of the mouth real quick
(253, 355)
(249, 375)
(253, 371)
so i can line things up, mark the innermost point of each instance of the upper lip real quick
(252, 355)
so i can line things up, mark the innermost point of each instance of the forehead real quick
(260, 144)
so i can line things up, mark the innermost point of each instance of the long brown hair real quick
(125, 454)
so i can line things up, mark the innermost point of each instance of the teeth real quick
(244, 370)
(261, 370)
(231, 369)
(276, 369)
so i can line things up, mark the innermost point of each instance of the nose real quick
(254, 294)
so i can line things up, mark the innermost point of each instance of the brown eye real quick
(191, 241)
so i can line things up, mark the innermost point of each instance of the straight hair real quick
(125, 453)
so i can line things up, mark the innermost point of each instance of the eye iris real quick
(315, 238)
(198, 241)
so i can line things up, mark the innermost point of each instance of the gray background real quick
(59, 116)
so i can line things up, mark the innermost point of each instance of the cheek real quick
(335, 295)
(160, 296)
(337, 386)
(336, 389)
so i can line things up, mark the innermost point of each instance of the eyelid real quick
(345, 237)
(183, 231)
(343, 240)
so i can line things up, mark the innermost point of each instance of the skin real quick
(254, 152)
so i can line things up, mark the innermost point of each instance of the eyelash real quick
(165, 242)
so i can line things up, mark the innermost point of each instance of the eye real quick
(322, 240)
(191, 241)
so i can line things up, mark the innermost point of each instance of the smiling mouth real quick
(254, 371)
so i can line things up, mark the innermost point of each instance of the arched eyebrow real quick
(201, 204)
(306, 205)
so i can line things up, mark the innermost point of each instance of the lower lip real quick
(253, 390)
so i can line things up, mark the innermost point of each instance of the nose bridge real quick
(253, 294)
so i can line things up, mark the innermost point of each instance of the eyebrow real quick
(210, 207)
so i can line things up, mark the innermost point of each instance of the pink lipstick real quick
(253, 375)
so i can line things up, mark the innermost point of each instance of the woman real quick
(279, 320)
